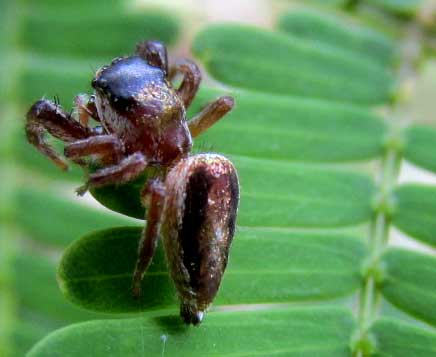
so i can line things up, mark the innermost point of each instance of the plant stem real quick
(370, 296)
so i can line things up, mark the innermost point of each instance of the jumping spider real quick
(192, 202)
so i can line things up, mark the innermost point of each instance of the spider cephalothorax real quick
(192, 203)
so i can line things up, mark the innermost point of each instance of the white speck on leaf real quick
(164, 339)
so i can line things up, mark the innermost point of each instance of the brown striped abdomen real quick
(197, 227)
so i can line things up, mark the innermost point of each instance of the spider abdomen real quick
(198, 224)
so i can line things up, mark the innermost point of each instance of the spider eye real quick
(99, 83)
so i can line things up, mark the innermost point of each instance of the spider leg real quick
(155, 192)
(210, 114)
(155, 53)
(190, 81)
(107, 147)
(125, 171)
(86, 108)
(44, 116)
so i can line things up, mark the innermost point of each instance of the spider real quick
(192, 202)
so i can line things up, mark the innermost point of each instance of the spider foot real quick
(82, 189)
(136, 290)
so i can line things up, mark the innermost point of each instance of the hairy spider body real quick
(136, 102)
(193, 202)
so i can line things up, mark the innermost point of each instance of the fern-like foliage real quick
(318, 136)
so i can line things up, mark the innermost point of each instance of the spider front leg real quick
(210, 115)
(154, 194)
(126, 170)
(44, 116)
(190, 81)
(107, 147)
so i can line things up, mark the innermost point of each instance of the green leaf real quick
(291, 332)
(278, 194)
(338, 33)
(410, 283)
(260, 126)
(253, 58)
(64, 78)
(415, 211)
(395, 338)
(125, 198)
(25, 334)
(96, 271)
(283, 195)
(68, 33)
(420, 144)
(36, 289)
(399, 7)
(58, 221)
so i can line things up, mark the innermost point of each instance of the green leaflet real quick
(290, 332)
(290, 128)
(253, 58)
(409, 282)
(96, 271)
(36, 290)
(399, 7)
(57, 221)
(420, 145)
(415, 211)
(337, 32)
(47, 77)
(69, 34)
(301, 195)
(25, 334)
(278, 194)
(395, 338)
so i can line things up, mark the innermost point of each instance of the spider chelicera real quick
(192, 202)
